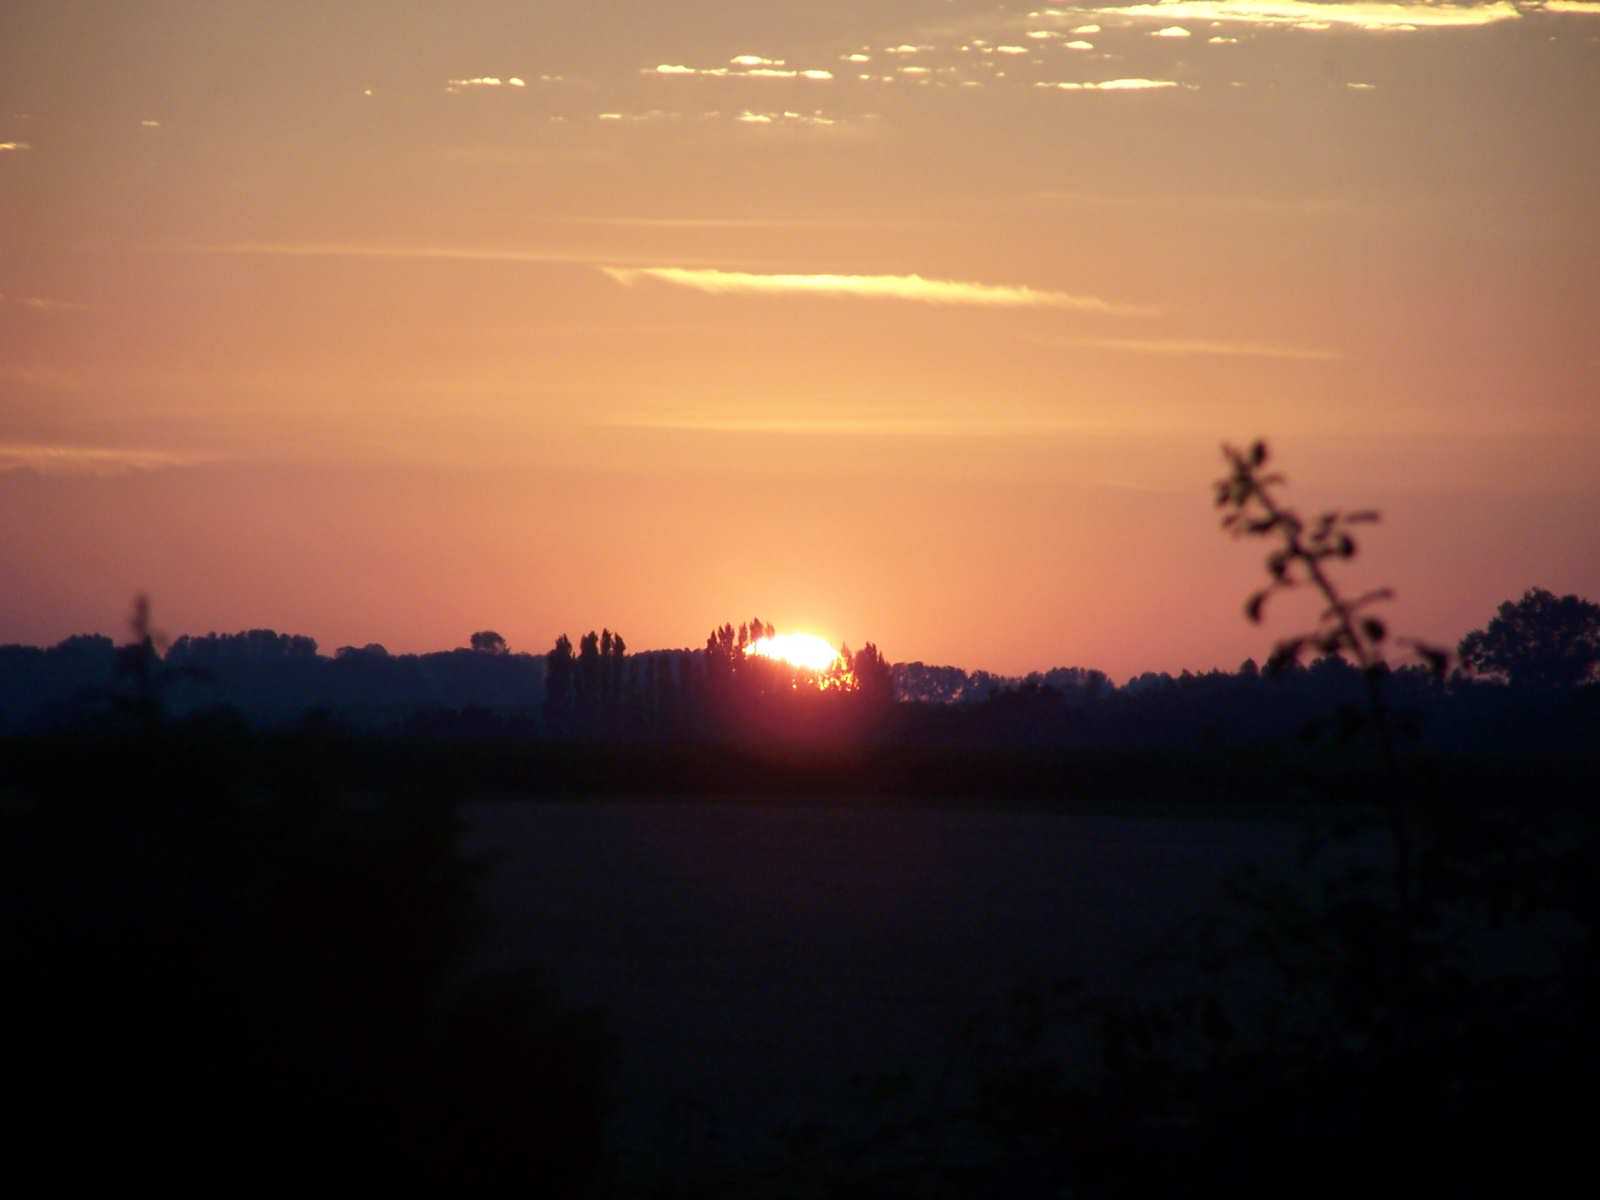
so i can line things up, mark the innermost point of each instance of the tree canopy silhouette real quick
(1540, 641)
(487, 641)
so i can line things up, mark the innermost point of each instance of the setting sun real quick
(804, 650)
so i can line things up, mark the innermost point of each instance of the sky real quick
(917, 321)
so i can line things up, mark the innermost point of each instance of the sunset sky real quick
(917, 321)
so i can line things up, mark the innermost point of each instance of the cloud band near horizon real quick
(914, 288)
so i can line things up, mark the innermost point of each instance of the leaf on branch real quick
(1374, 629)
(1258, 454)
(1253, 606)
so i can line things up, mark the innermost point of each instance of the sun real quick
(804, 650)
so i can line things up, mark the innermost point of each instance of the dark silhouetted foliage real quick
(1540, 641)
(487, 641)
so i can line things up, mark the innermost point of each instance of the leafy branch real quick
(1303, 555)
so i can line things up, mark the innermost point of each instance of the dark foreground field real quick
(768, 972)
(375, 962)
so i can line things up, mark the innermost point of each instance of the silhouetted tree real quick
(558, 687)
(873, 680)
(1541, 641)
(372, 651)
(487, 641)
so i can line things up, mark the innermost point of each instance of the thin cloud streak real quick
(885, 426)
(1199, 348)
(895, 222)
(42, 304)
(579, 257)
(874, 287)
(91, 460)
(1111, 85)
(1373, 17)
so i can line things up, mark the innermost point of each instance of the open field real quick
(756, 960)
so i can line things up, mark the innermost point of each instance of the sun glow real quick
(804, 650)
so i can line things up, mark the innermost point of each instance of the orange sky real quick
(306, 323)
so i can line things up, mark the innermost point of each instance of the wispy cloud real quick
(485, 81)
(875, 287)
(566, 257)
(1111, 85)
(1372, 16)
(1581, 7)
(896, 425)
(42, 304)
(1200, 348)
(44, 379)
(895, 221)
(91, 460)
(746, 66)
(813, 120)
(14, 147)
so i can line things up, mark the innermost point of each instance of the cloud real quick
(1583, 7)
(1200, 348)
(1112, 85)
(1085, 29)
(895, 222)
(755, 68)
(1172, 31)
(90, 460)
(1080, 45)
(815, 119)
(853, 425)
(1222, 41)
(44, 379)
(42, 304)
(482, 81)
(1372, 16)
(13, 147)
(876, 287)
(564, 257)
